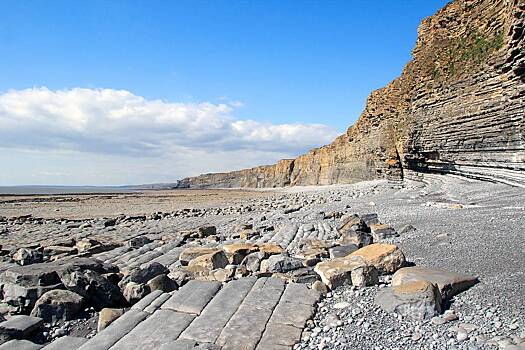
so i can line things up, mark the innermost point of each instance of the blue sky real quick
(288, 68)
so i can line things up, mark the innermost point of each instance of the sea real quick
(35, 190)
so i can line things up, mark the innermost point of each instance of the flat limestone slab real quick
(179, 344)
(279, 337)
(20, 345)
(162, 327)
(292, 314)
(192, 297)
(20, 325)
(449, 283)
(157, 303)
(147, 300)
(208, 326)
(115, 331)
(301, 294)
(245, 328)
(66, 342)
(284, 329)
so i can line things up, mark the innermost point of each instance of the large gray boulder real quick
(25, 256)
(23, 285)
(280, 263)
(419, 300)
(145, 274)
(97, 290)
(58, 305)
(134, 286)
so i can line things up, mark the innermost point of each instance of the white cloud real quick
(117, 123)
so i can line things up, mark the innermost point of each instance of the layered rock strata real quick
(458, 107)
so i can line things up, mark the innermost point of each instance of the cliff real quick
(458, 107)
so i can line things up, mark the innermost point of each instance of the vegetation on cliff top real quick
(465, 52)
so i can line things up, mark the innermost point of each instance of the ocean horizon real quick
(46, 189)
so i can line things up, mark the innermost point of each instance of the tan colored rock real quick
(86, 244)
(59, 250)
(270, 249)
(382, 231)
(449, 283)
(247, 234)
(212, 261)
(386, 258)
(223, 275)
(236, 252)
(337, 272)
(107, 316)
(191, 253)
(320, 287)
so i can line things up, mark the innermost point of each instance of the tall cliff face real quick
(458, 107)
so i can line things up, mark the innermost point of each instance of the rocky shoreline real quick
(429, 264)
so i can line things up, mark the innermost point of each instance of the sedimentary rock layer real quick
(458, 107)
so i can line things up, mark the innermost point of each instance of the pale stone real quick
(386, 258)
(449, 283)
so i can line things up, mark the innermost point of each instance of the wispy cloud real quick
(119, 123)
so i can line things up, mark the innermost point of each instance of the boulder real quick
(449, 283)
(134, 286)
(270, 249)
(357, 238)
(86, 245)
(419, 300)
(23, 285)
(236, 252)
(206, 231)
(191, 253)
(138, 242)
(145, 274)
(342, 250)
(364, 276)
(320, 287)
(386, 258)
(223, 275)
(25, 256)
(247, 234)
(133, 291)
(370, 219)
(382, 231)
(212, 261)
(97, 290)
(252, 262)
(58, 305)
(337, 272)
(163, 283)
(280, 263)
(311, 256)
(107, 316)
(351, 222)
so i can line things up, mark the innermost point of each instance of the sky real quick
(132, 92)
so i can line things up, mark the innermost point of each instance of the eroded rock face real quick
(458, 107)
